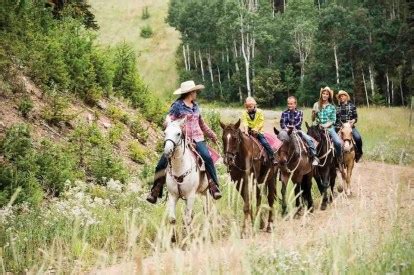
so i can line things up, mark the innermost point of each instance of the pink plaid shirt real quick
(195, 127)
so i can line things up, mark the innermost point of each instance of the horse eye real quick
(178, 134)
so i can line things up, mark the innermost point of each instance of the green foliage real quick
(56, 110)
(212, 118)
(268, 87)
(146, 31)
(115, 133)
(137, 152)
(25, 106)
(104, 165)
(17, 173)
(145, 13)
(56, 166)
(138, 131)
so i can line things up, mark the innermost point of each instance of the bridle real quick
(230, 157)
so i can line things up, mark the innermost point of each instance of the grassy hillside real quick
(121, 21)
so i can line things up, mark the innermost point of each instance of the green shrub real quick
(104, 166)
(115, 133)
(17, 173)
(146, 31)
(56, 166)
(25, 106)
(137, 152)
(145, 13)
(115, 113)
(56, 109)
(137, 131)
(212, 118)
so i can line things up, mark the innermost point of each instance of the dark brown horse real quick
(242, 156)
(295, 164)
(325, 172)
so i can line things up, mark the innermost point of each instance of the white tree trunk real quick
(185, 58)
(392, 92)
(246, 56)
(188, 57)
(365, 87)
(228, 63)
(210, 69)
(195, 59)
(371, 78)
(336, 63)
(201, 65)
(219, 79)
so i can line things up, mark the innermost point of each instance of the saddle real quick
(273, 141)
(199, 160)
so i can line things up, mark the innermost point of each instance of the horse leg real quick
(348, 177)
(245, 191)
(271, 195)
(188, 215)
(258, 204)
(298, 195)
(307, 191)
(172, 202)
(332, 180)
(284, 204)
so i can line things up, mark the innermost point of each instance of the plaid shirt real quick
(291, 118)
(345, 112)
(326, 114)
(195, 125)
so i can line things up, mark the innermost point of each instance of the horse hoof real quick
(262, 225)
(173, 221)
(269, 229)
(323, 206)
(340, 189)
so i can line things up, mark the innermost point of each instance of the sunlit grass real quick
(121, 21)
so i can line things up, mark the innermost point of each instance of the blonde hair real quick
(250, 99)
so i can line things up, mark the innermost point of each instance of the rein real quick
(329, 145)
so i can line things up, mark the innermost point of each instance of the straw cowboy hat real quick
(188, 86)
(342, 92)
(327, 89)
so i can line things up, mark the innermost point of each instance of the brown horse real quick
(349, 155)
(295, 163)
(242, 156)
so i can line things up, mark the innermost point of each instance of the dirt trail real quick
(376, 187)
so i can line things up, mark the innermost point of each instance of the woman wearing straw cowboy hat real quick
(346, 112)
(186, 106)
(324, 113)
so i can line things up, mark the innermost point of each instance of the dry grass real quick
(121, 21)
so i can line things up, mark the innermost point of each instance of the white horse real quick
(184, 178)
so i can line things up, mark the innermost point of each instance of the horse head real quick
(285, 151)
(173, 136)
(346, 135)
(231, 141)
(314, 132)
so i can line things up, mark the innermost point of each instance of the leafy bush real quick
(146, 31)
(104, 165)
(212, 118)
(137, 152)
(55, 111)
(138, 131)
(115, 133)
(25, 106)
(56, 166)
(17, 173)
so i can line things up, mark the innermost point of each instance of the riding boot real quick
(214, 190)
(156, 190)
(312, 154)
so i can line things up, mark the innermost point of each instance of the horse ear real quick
(307, 125)
(289, 131)
(182, 121)
(276, 131)
(237, 125)
(222, 125)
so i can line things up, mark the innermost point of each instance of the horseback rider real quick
(324, 114)
(292, 118)
(347, 112)
(195, 128)
(252, 122)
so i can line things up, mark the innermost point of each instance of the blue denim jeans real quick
(358, 139)
(261, 138)
(202, 149)
(309, 141)
(336, 140)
